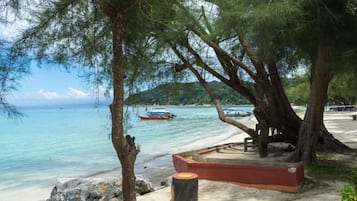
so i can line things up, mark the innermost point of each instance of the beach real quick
(48, 144)
(340, 124)
(158, 166)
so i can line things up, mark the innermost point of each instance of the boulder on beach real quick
(95, 189)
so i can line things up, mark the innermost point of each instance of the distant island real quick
(186, 94)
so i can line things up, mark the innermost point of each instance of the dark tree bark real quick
(124, 146)
(272, 108)
(313, 121)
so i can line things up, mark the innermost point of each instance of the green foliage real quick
(178, 93)
(330, 170)
(349, 191)
(10, 72)
(330, 167)
(78, 34)
(298, 89)
(342, 88)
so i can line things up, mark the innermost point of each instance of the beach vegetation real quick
(342, 89)
(260, 42)
(10, 72)
(327, 21)
(331, 170)
(349, 191)
(334, 167)
(177, 94)
(124, 145)
(91, 35)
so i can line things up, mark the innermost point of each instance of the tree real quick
(245, 40)
(125, 146)
(342, 89)
(90, 34)
(10, 75)
(10, 72)
(9, 8)
(298, 89)
(333, 26)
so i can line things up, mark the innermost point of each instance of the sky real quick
(52, 85)
(49, 85)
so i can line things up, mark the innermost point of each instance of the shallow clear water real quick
(51, 143)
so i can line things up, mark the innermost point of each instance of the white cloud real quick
(71, 93)
(75, 93)
(47, 97)
(48, 94)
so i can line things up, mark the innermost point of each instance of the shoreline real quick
(158, 173)
(338, 123)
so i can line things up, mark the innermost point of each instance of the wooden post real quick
(184, 187)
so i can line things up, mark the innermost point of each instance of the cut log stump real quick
(184, 187)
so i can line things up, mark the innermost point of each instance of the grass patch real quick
(328, 168)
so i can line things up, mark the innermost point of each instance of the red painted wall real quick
(277, 177)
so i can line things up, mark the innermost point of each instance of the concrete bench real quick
(280, 176)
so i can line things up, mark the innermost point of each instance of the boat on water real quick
(230, 112)
(158, 114)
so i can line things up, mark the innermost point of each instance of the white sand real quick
(342, 127)
(27, 194)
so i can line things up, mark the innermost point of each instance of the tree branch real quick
(220, 50)
(214, 98)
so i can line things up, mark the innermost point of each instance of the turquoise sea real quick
(52, 142)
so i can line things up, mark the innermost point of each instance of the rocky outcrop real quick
(94, 189)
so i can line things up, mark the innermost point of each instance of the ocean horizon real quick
(55, 142)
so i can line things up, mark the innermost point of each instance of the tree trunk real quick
(313, 120)
(271, 104)
(263, 138)
(124, 146)
(329, 143)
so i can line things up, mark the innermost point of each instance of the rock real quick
(166, 182)
(143, 186)
(94, 189)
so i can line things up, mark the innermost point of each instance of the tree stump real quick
(184, 187)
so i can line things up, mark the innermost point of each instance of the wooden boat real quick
(235, 113)
(154, 117)
(158, 114)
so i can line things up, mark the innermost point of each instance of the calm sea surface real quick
(51, 143)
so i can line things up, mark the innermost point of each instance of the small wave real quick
(102, 172)
(139, 165)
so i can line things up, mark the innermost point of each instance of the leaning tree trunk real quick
(282, 117)
(313, 120)
(272, 108)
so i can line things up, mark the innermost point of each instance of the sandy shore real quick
(340, 124)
